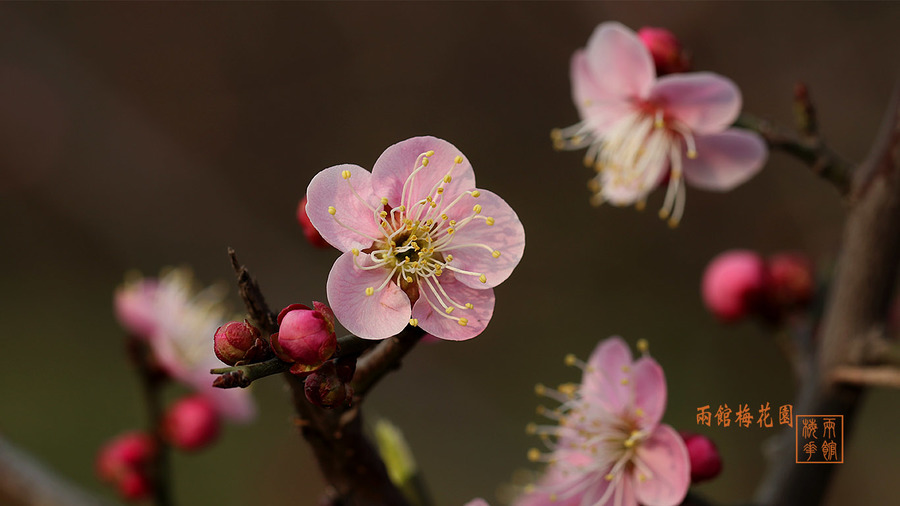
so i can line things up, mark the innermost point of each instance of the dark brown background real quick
(145, 135)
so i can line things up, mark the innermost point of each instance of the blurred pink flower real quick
(609, 446)
(421, 244)
(734, 284)
(641, 131)
(179, 323)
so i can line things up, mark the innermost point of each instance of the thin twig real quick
(384, 358)
(153, 379)
(253, 298)
(883, 376)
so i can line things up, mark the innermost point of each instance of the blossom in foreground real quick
(421, 244)
(642, 132)
(609, 447)
(179, 323)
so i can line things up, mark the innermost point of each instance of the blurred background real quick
(136, 136)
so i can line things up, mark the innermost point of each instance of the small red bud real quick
(233, 340)
(305, 336)
(706, 463)
(309, 231)
(668, 55)
(791, 280)
(191, 423)
(324, 388)
(733, 284)
(134, 486)
(123, 462)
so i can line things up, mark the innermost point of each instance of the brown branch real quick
(884, 376)
(384, 358)
(253, 297)
(153, 379)
(857, 307)
(24, 481)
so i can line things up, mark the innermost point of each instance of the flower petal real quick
(447, 328)
(705, 102)
(666, 457)
(649, 391)
(591, 100)
(377, 316)
(622, 65)
(397, 163)
(725, 160)
(473, 244)
(608, 367)
(329, 189)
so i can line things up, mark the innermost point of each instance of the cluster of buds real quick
(739, 283)
(124, 462)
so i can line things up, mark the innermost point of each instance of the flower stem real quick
(153, 379)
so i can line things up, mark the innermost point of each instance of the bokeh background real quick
(136, 136)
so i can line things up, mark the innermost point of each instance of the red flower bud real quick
(123, 462)
(309, 231)
(733, 284)
(191, 423)
(791, 280)
(305, 336)
(325, 388)
(233, 340)
(706, 463)
(668, 55)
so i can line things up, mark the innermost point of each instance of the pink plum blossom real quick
(642, 132)
(421, 244)
(179, 322)
(609, 447)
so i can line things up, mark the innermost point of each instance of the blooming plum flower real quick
(179, 322)
(641, 131)
(421, 244)
(609, 446)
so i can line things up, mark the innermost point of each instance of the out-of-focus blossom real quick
(609, 447)
(706, 463)
(668, 55)
(734, 284)
(642, 132)
(123, 462)
(309, 231)
(421, 244)
(477, 502)
(791, 280)
(179, 322)
(305, 336)
(191, 423)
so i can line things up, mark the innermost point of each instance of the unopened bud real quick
(123, 462)
(134, 486)
(733, 284)
(668, 55)
(305, 336)
(324, 388)
(233, 340)
(791, 280)
(309, 231)
(191, 423)
(706, 463)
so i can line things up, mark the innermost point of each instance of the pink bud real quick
(191, 423)
(733, 284)
(123, 462)
(791, 280)
(325, 388)
(312, 235)
(666, 50)
(233, 340)
(305, 336)
(706, 463)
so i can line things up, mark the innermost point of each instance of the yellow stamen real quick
(369, 291)
(489, 221)
(463, 322)
(331, 210)
(495, 254)
(414, 322)
(482, 278)
(345, 174)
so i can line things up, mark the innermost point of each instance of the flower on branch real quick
(609, 447)
(642, 132)
(421, 244)
(179, 321)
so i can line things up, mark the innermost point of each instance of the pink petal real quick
(725, 160)
(607, 367)
(377, 316)
(477, 502)
(395, 165)
(649, 391)
(667, 458)
(622, 66)
(600, 111)
(136, 308)
(328, 188)
(705, 102)
(447, 328)
(506, 235)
